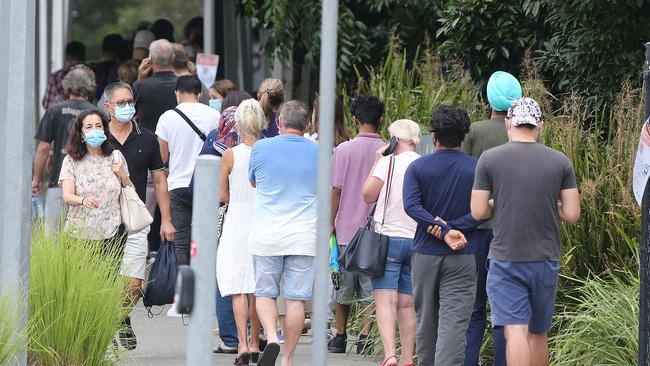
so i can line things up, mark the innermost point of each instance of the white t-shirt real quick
(397, 222)
(184, 144)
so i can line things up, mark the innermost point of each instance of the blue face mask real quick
(124, 114)
(95, 138)
(216, 104)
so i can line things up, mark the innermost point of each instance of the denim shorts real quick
(296, 272)
(523, 293)
(397, 275)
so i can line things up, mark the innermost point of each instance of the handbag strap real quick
(189, 122)
(389, 181)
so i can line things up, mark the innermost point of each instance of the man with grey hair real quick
(283, 235)
(141, 151)
(155, 94)
(79, 87)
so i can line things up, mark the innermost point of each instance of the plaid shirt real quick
(54, 89)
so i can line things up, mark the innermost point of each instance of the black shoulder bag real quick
(367, 251)
(189, 122)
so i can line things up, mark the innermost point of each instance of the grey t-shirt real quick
(525, 180)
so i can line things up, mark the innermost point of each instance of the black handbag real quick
(161, 286)
(367, 251)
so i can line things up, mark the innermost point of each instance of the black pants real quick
(180, 201)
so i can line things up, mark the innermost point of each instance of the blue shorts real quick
(523, 293)
(297, 272)
(397, 275)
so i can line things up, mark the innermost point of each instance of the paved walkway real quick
(162, 341)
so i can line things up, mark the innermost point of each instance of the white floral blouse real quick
(93, 176)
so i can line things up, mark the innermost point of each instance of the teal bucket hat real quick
(502, 89)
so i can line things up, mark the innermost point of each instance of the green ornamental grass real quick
(75, 301)
(9, 339)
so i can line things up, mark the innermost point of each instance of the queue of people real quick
(475, 221)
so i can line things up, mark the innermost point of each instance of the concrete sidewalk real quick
(162, 341)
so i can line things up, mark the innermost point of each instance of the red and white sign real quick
(206, 68)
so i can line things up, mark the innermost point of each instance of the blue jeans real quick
(296, 271)
(397, 275)
(477, 323)
(226, 321)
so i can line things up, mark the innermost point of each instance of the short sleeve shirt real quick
(55, 127)
(142, 153)
(351, 164)
(284, 169)
(154, 95)
(93, 176)
(525, 180)
(396, 222)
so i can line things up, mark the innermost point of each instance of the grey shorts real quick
(353, 284)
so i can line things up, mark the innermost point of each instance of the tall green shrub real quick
(9, 339)
(75, 300)
(602, 328)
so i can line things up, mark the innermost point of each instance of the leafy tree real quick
(490, 35)
(595, 45)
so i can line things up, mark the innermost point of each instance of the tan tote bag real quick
(135, 215)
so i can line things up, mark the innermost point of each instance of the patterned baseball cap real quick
(525, 111)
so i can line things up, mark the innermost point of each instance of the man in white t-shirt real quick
(181, 132)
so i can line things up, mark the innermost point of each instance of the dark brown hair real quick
(223, 87)
(340, 131)
(76, 146)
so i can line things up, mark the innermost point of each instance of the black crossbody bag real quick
(367, 251)
(189, 122)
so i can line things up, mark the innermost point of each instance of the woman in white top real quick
(234, 263)
(392, 292)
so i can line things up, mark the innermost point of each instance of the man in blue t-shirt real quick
(283, 231)
(438, 186)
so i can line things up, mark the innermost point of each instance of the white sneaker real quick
(173, 313)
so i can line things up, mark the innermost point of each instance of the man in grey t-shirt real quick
(533, 187)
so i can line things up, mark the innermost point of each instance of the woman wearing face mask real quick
(91, 178)
(218, 92)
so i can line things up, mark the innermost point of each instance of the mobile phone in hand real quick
(392, 145)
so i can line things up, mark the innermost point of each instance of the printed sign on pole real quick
(206, 68)
(642, 163)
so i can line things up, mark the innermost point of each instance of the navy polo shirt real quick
(142, 154)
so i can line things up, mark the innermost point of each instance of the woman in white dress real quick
(235, 274)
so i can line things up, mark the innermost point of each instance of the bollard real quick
(205, 204)
(326, 141)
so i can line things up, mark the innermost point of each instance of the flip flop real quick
(270, 354)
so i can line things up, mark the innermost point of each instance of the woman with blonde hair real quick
(235, 274)
(271, 95)
(393, 292)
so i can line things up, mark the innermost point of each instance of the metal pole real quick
(205, 204)
(17, 33)
(208, 26)
(326, 141)
(644, 247)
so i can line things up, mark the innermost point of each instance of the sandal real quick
(242, 359)
(255, 357)
(385, 361)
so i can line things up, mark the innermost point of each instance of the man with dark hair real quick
(78, 87)
(437, 186)
(163, 29)
(533, 188)
(180, 144)
(351, 163)
(114, 52)
(283, 229)
(75, 53)
(502, 89)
